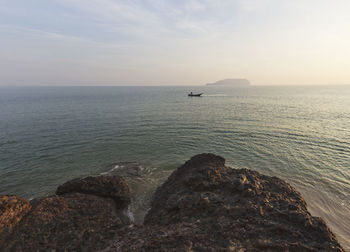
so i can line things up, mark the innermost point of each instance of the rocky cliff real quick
(203, 206)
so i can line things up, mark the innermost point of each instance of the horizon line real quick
(170, 85)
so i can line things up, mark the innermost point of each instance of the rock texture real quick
(105, 186)
(207, 206)
(12, 210)
(72, 221)
(203, 206)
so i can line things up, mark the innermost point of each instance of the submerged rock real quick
(203, 206)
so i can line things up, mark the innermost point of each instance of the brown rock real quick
(72, 222)
(114, 187)
(252, 211)
(83, 217)
(12, 210)
(203, 206)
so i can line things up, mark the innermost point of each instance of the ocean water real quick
(301, 134)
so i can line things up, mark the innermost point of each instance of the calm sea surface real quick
(49, 135)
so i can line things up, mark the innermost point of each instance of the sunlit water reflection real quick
(301, 134)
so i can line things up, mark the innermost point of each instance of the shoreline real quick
(203, 198)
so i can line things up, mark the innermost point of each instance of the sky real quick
(170, 42)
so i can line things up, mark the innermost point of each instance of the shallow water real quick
(301, 134)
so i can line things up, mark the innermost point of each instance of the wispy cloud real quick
(198, 40)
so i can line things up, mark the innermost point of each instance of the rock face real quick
(76, 220)
(12, 210)
(206, 206)
(105, 186)
(203, 206)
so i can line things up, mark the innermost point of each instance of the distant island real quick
(230, 82)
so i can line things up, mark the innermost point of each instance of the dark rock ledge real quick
(203, 206)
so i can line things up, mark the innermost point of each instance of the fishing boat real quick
(196, 95)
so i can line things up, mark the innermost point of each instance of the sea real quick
(49, 135)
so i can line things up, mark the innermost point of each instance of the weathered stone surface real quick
(203, 206)
(206, 206)
(84, 217)
(114, 187)
(12, 210)
(73, 222)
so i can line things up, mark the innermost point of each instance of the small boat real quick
(196, 95)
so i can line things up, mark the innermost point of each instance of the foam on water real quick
(142, 184)
(214, 95)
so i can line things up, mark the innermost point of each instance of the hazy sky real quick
(158, 42)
